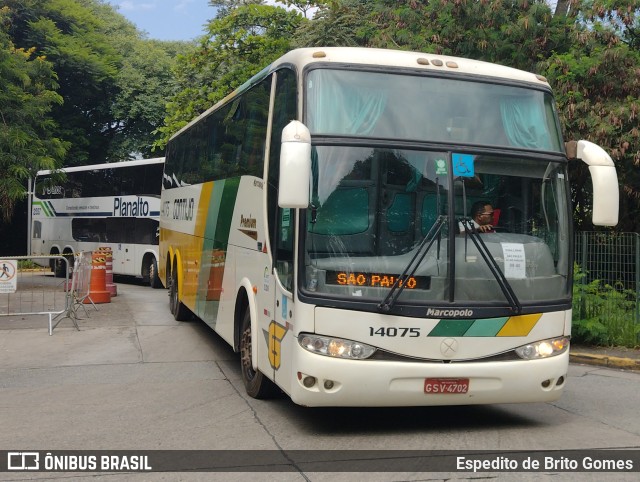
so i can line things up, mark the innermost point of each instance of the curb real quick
(605, 361)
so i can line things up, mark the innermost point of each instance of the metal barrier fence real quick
(27, 288)
(607, 287)
(36, 291)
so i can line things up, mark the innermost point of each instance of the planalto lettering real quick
(139, 207)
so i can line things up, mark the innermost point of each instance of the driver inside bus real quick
(481, 217)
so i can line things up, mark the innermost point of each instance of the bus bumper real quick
(365, 383)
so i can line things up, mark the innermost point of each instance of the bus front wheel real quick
(179, 310)
(255, 383)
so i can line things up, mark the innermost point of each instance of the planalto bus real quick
(311, 218)
(116, 205)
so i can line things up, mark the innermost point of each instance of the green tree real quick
(305, 6)
(27, 142)
(338, 24)
(114, 82)
(143, 83)
(597, 86)
(69, 35)
(237, 46)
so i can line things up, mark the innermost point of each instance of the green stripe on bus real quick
(451, 328)
(225, 212)
(44, 207)
(486, 327)
(50, 208)
(213, 210)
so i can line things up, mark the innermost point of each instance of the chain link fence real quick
(607, 288)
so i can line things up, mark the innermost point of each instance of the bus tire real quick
(154, 279)
(61, 267)
(255, 383)
(179, 310)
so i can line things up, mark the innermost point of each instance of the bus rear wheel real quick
(154, 279)
(179, 310)
(256, 384)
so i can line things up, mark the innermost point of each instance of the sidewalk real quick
(610, 357)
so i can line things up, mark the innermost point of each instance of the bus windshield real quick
(372, 207)
(425, 108)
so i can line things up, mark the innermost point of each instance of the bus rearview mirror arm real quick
(295, 166)
(606, 197)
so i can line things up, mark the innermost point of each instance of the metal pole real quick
(30, 213)
(636, 238)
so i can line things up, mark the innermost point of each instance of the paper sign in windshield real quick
(514, 260)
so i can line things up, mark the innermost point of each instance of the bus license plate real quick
(446, 385)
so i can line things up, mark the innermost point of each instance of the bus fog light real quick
(328, 384)
(335, 347)
(309, 381)
(546, 383)
(543, 348)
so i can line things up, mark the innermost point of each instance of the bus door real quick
(280, 330)
(120, 236)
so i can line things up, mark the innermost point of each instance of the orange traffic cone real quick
(108, 255)
(98, 287)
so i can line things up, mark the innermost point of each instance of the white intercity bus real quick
(116, 205)
(312, 217)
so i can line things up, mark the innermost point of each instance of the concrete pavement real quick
(134, 379)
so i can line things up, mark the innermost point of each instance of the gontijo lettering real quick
(183, 209)
(139, 207)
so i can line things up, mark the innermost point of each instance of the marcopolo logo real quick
(449, 313)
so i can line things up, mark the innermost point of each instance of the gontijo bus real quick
(311, 218)
(116, 205)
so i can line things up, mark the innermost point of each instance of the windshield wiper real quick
(400, 282)
(508, 292)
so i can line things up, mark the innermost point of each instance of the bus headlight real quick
(544, 348)
(335, 347)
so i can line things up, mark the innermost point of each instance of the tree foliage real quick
(597, 85)
(27, 96)
(113, 81)
(80, 85)
(238, 45)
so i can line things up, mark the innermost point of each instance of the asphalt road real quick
(134, 379)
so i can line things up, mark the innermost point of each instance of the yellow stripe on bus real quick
(519, 325)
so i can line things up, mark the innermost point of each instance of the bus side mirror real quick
(295, 166)
(606, 195)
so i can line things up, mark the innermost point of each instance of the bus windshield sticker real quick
(463, 165)
(441, 167)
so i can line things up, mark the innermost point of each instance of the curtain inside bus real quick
(524, 123)
(340, 104)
